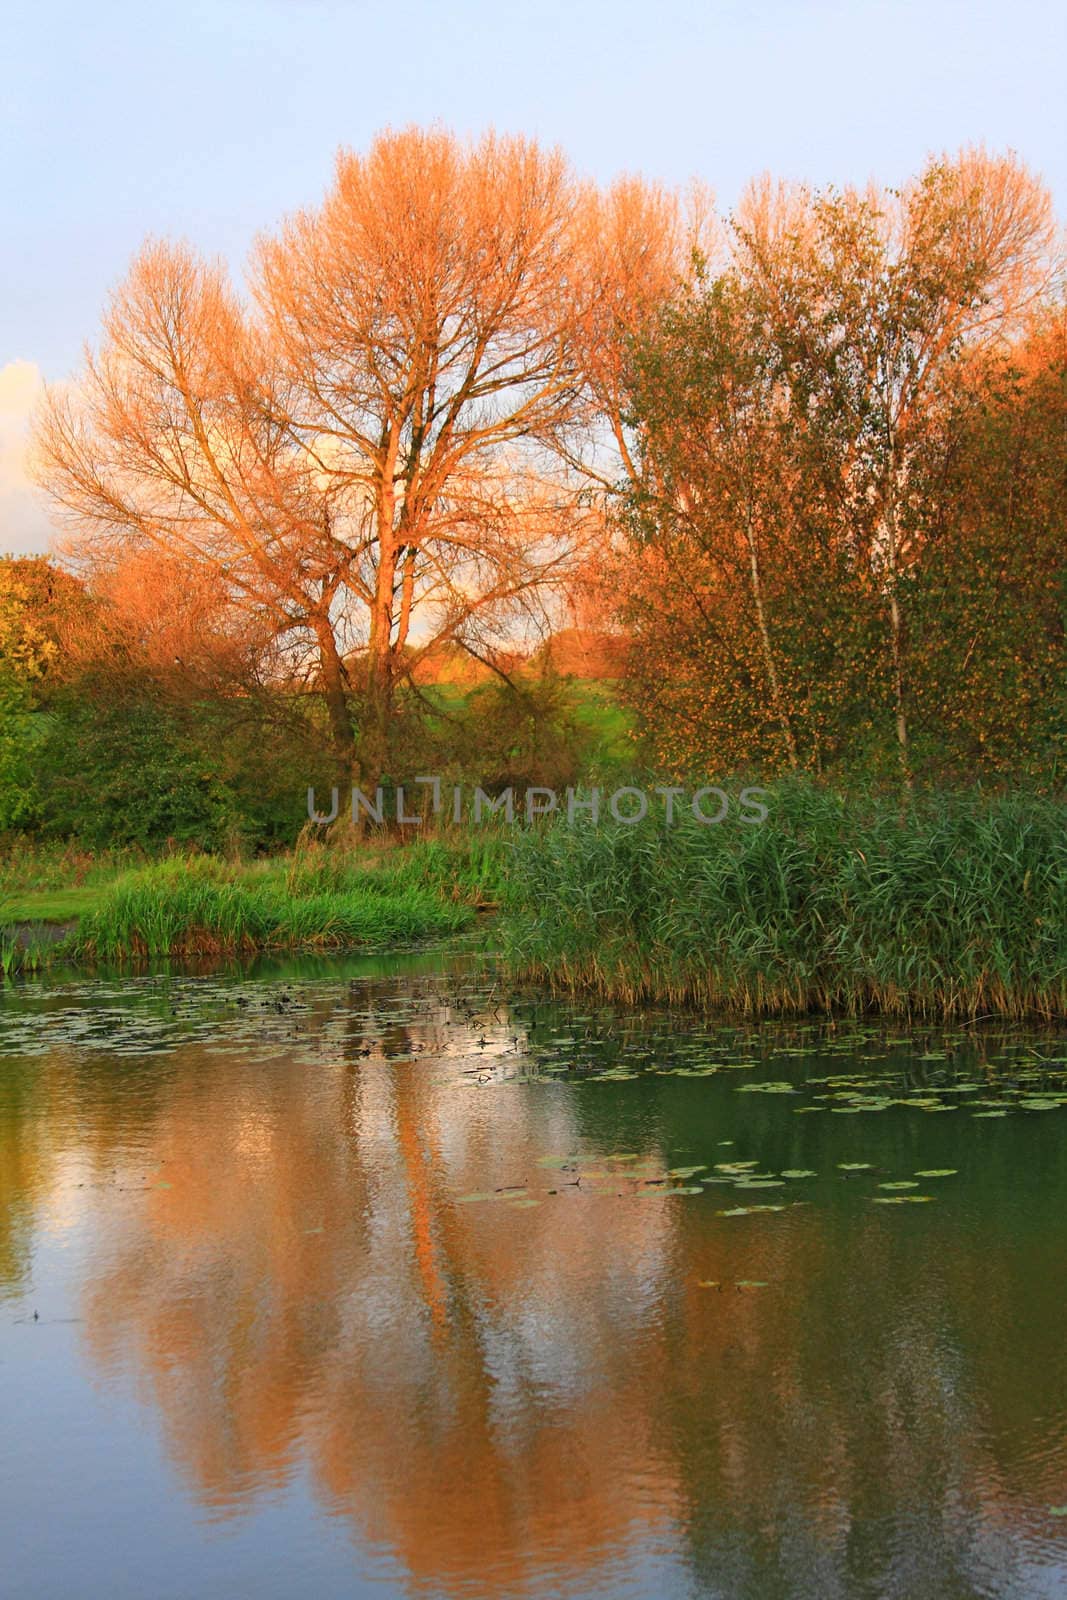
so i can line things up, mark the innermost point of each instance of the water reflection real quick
(537, 1398)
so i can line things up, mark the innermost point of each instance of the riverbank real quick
(957, 909)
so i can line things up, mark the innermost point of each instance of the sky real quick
(210, 121)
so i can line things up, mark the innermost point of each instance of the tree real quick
(872, 300)
(800, 416)
(35, 599)
(384, 451)
(751, 643)
(989, 605)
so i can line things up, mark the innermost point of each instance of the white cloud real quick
(24, 523)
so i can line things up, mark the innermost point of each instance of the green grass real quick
(203, 906)
(957, 910)
(599, 709)
(319, 896)
(52, 905)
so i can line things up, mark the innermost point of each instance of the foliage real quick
(845, 547)
(19, 795)
(33, 593)
(131, 773)
(522, 732)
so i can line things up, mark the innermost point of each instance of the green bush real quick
(19, 739)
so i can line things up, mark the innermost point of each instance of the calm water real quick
(361, 1281)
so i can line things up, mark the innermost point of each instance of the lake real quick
(382, 1278)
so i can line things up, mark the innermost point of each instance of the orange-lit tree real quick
(394, 445)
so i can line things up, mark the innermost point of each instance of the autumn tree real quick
(384, 450)
(989, 605)
(37, 601)
(871, 301)
(796, 412)
(732, 554)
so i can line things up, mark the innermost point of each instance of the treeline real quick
(808, 461)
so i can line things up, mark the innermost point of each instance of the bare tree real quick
(394, 445)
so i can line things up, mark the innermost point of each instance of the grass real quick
(957, 910)
(31, 871)
(599, 709)
(204, 907)
(317, 898)
(52, 905)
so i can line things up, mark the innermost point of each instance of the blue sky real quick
(209, 121)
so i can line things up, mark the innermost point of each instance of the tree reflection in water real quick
(516, 1400)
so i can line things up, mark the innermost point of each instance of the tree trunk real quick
(378, 716)
(335, 689)
(897, 631)
(896, 634)
(768, 653)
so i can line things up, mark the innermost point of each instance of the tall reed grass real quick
(461, 867)
(956, 910)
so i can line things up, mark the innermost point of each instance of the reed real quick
(19, 953)
(461, 867)
(956, 910)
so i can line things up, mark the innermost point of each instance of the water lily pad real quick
(903, 1183)
(937, 1172)
(900, 1199)
(747, 1211)
(855, 1166)
(798, 1172)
